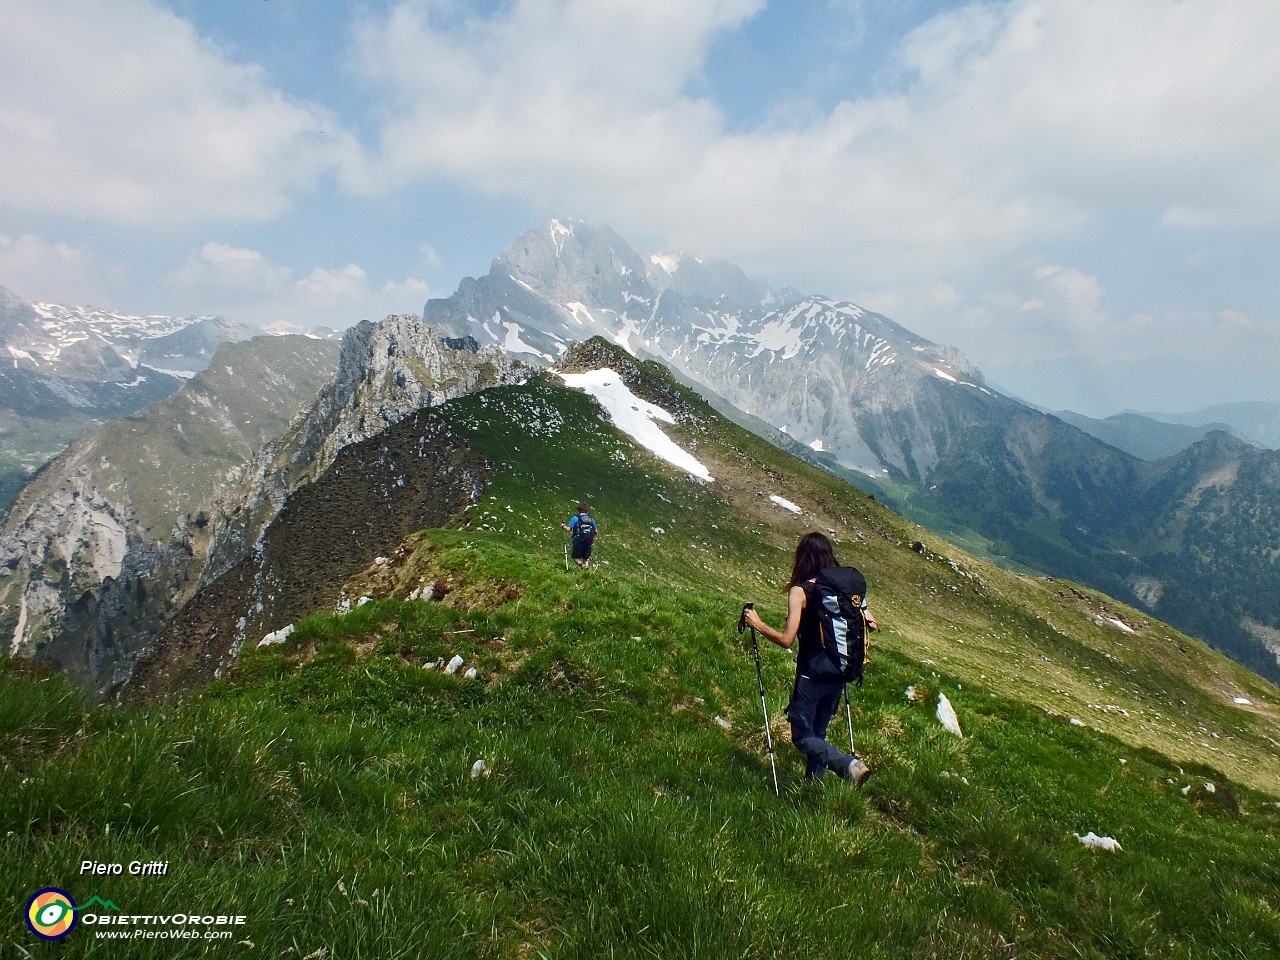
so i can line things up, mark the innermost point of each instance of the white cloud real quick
(429, 259)
(1006, 124)
(545, 94)
(1000, 129)
(1045, 314)
(245, 285)
(1001, 125)
(127, 115)
(1034, 311)
(43, 271)
(225, 271)
(1071, 298)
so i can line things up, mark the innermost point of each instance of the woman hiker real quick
(818, 688)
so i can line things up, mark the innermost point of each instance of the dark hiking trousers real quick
(813, 704)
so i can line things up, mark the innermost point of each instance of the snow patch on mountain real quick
(72, 324)
(636, 417)
(513, 344)
(181, 374)
(558, 233)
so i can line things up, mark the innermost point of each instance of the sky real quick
(1083, 196)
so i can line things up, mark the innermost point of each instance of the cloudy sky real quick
(1082, 195)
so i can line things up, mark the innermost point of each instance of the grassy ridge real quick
(325, 789)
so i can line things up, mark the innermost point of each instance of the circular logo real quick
(51, 914)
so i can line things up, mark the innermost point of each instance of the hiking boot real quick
(856, 773)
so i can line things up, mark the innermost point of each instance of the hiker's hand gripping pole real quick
(755, 649)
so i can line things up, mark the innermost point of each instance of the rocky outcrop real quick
(386, 371)
(377, 492)
(132, 523)
(361, 467)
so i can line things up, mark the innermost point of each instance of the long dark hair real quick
(813, 553)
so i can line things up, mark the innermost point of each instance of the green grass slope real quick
(328, 791)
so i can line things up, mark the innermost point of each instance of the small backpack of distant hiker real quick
(585, 529)
(836, 598)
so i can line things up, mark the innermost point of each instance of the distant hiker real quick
(582, 527)
(820, 679)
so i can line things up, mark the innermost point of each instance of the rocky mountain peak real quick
(569, 261)
(814, 367)
(397, 365)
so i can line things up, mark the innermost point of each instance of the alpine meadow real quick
(467, 747)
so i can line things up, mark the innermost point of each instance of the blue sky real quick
(1081, 195)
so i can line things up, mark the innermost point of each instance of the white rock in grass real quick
(470, 674)
(1091, 839)
(453, 665)
(276, 636)
(947, 715)
(479, 769)
(913, 694)
(1210, 788)
(723, 722)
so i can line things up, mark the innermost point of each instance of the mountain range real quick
(65, 370)
(1188, 537)
(1152, 436)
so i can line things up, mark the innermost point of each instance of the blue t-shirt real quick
(583, 527)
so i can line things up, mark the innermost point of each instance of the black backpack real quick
(836, 598)
(585, 529)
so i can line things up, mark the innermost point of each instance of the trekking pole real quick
(565, 537)
(768, 735)
(848, 713)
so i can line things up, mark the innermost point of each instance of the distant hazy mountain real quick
(1256, 422)
(84, 357)
(64, 370)
(1143, 436)
(1151, 436)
